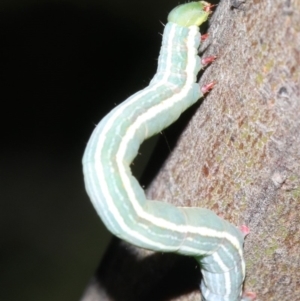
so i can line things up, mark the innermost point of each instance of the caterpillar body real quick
(117, 196)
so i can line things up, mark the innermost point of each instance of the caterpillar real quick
(117, 196)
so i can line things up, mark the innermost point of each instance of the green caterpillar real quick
(117, 196)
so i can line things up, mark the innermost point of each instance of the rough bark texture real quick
(239, 156)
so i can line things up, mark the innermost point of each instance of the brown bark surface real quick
(239, 156)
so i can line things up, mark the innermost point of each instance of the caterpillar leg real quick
(245, 230)
(207, 60)
(249, 296)
(206, 88)
(204, 37)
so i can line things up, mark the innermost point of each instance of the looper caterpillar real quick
(117, 196)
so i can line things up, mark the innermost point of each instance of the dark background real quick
(63, 65)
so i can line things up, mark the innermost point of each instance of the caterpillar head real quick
(188, 14)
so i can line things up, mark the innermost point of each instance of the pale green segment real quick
(178, 57)
(209, 235)
(189, 14)
(137, 106)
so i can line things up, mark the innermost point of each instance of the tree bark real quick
(239, 156)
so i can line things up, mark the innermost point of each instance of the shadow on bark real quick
(161, 276)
